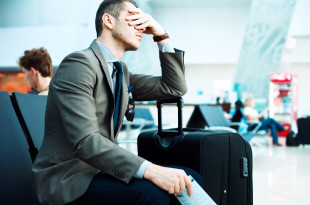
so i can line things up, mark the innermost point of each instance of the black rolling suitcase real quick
(303, 135)
(224, 160)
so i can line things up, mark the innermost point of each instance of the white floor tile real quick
(281, 175)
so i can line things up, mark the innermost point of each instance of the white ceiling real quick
(201, 3)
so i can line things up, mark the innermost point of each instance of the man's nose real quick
(141, 29)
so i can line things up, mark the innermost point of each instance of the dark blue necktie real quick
(118, 88)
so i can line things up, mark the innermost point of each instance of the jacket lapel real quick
(94, 46)
(124, 98)
(104, 67)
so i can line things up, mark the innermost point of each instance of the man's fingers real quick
(142, 26)
(176, 187)
(140, 20)
(182, 185)
(171, 189)
(189, 185)
(135, 17)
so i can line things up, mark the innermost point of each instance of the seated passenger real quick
(38, 69)
(269, 123)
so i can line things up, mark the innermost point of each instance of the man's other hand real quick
(170, 179)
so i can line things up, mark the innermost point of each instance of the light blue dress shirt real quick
(110, 58)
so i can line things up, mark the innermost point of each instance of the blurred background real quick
(233, 49)
(232, 46)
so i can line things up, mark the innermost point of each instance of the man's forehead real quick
(127, 5)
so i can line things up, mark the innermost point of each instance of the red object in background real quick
(283, 92)
(281, 77)
(285, 132)
(283, 99)
(14, 82)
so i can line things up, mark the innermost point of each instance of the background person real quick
(269, 123)
(38, 69)
(79, 161)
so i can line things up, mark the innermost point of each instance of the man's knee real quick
(148, 193)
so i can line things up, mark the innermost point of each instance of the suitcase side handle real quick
(180, 103)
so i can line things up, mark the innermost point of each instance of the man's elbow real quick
(181, 91)
(184, 90)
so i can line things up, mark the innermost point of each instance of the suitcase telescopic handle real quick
(180, 103)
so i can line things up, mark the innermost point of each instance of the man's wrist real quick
(140, 172)
(166, 47)
(161, 39)
(148, 174)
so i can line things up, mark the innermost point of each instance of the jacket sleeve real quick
(171, 84)
(72, 87)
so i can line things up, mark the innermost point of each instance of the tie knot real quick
(117, 66)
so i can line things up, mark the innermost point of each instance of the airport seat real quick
(30, 110)
(212, 117)
(143, 121)
(15, 172)
(145, 113)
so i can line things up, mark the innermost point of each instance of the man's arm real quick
(171, 84)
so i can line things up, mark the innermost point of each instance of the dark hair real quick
(112, 7)
(39, 59)
(239, 104)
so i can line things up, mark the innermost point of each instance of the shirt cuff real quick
(140, 172)
(167, 47)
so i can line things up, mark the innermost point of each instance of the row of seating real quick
(22, 119)
(212, 117)
(21, 116)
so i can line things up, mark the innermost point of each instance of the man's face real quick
(30, 78)
(125, 35)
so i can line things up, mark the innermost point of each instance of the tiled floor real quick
(281, 175)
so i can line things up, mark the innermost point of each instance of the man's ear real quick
(108, 21)
(34, 71)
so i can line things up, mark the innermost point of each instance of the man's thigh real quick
(105, 189)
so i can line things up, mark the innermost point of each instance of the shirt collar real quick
(107, 54)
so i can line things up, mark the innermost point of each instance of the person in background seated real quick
(238, 115)
(38, 69)
(269, 123)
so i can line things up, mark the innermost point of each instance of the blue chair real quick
(30, 110)
(212, 117)
(15, 161)
(143, 121)
(144, 113)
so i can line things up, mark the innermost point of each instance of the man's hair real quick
(112, 7)
(39, 59)
(248, 101)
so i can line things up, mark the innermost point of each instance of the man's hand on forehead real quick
(144, 21)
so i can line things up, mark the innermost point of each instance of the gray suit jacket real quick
(79, 135)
